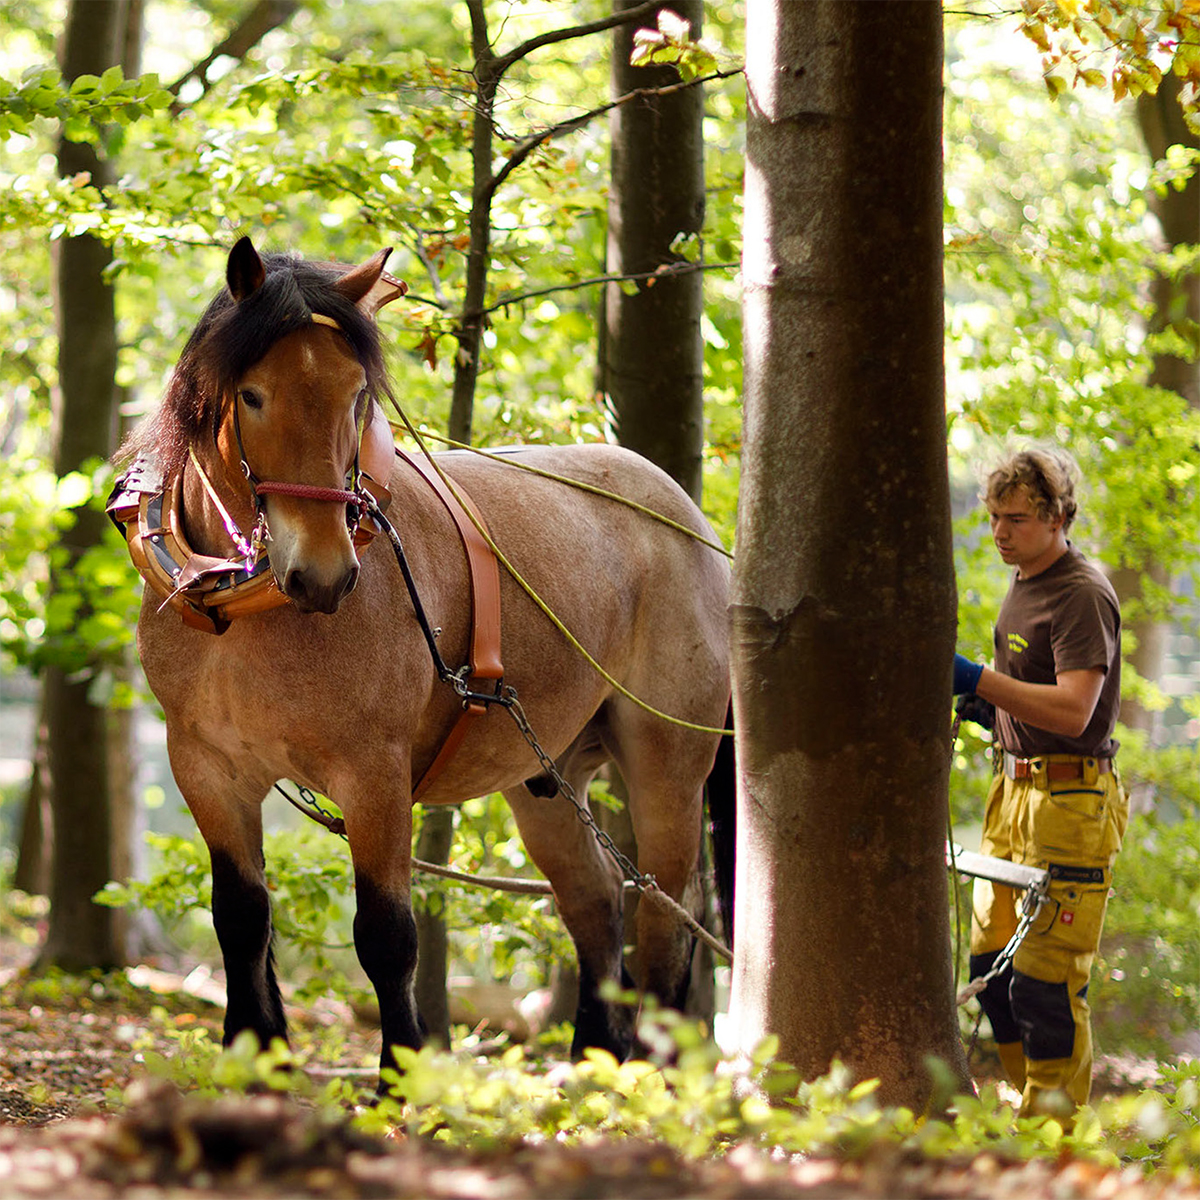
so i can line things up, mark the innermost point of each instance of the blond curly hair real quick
(1047, 476)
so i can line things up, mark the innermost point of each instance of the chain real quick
(641, 881)
(314, 809)
(1031, 906)
(645, 884)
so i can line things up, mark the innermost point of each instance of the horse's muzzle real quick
(310, 594)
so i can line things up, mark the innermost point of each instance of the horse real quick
(318, 668)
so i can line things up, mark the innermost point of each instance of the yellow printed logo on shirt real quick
(1016, 643)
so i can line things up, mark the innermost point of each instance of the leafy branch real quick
(84, 107)
(265, 16)
(1142, 40)
(526, 147)
(668, 271)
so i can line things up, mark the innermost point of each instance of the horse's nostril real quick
(311, 596)
(295, 585)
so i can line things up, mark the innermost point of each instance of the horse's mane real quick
(232, 336)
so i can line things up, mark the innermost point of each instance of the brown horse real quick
(271, 414)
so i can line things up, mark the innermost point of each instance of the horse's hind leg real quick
(665, 779)
(587, 890)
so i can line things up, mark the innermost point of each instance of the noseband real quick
(351, 496)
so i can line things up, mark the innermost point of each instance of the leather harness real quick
(209, 592)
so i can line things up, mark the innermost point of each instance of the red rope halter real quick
(304, 491)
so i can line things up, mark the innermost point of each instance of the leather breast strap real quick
(484, 654)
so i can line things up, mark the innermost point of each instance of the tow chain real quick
(645, 884)
(1035, 897)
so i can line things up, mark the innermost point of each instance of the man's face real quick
(1024, 539)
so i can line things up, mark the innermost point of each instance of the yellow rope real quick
(583, 487)
(529, 591)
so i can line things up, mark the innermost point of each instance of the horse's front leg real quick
(229, 817)
(385, 931)
(241, 909)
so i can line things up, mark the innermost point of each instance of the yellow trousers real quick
(1038, 1005)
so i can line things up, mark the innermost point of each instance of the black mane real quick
(232, 336)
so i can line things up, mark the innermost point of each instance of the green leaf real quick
(85, 85)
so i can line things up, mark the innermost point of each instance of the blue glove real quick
(977, 709)
(966, 675)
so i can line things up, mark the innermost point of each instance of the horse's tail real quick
(720, 792)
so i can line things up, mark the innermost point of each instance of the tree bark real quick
(653, 348)
(35, 851)
(844, 600)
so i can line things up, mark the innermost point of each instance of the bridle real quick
(355, 496)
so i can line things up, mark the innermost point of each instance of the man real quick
(1056, 801)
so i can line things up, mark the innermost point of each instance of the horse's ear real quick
(369, 287)
(244, 272)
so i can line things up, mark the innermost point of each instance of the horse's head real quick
(297, 418)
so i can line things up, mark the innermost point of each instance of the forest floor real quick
(81, 1118)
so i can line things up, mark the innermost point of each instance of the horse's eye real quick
(250, 399)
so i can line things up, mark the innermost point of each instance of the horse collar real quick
(208, 591)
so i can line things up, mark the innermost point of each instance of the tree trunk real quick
(35, 851)
(91, 823)
(470, 331)
(844, 601)
(1176, 303)
(653, 349)
(433, 845)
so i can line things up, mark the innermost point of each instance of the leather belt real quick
(1055, 768)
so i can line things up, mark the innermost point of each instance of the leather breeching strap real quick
(484, 654)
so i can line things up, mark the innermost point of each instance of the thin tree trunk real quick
(433, 845)
(844, 602)
(470, 331)
(1176, 303)
(35, 852)
(437, 830)
(653, 347)
(82, 934)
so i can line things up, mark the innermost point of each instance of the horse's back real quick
(611, 554)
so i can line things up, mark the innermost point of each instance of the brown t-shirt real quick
(1065, 619)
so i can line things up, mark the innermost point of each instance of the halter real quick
(351, 496)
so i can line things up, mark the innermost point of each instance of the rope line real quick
(583, 487)
(541, 604)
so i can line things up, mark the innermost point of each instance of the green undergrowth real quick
(692, 1098)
